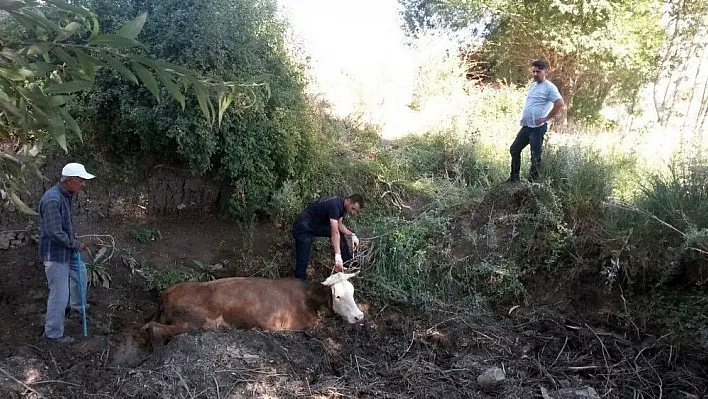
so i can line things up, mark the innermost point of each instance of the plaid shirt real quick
(57, 242)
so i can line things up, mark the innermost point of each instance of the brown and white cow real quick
(251, 302)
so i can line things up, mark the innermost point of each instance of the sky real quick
(357, 51)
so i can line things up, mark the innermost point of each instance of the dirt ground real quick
(395, 353)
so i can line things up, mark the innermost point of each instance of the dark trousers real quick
(304, 233)
(527, 135)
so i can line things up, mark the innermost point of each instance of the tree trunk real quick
(694, 91)
(703, 109)
(659, 105)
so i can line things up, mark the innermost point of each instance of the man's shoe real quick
(512, 180)
(62, 340)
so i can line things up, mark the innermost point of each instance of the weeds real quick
(96, 268)
(159, 281)
(143, 234)
(408, 258)
(681, 313)
(494, 278)
(155, 280)
(205, 271)
(98, 275)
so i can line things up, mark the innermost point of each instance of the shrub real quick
(409, 259)
(143, 234)
(159, 281)
(255, 149)
(98, 275)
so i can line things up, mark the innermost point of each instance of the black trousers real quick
(304, 232)
(527, 135)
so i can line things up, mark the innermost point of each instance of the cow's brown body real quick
(240, 302)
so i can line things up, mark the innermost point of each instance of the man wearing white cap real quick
(57, 246)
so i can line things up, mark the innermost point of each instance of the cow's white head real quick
(343, 302)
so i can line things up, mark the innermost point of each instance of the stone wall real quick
(164, 191)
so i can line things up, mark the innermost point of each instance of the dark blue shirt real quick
(57, 242)
(322, 210)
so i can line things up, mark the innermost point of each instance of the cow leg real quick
(160, 333)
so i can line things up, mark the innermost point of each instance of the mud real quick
(397, 353)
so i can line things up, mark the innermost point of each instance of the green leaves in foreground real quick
(36, 76)
(39, 76)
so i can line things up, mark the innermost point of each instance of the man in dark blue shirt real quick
(323, 218)
(57, 246)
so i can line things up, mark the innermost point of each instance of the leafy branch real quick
(39, 75)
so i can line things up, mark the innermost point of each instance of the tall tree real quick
(599, 50)
(687, 36)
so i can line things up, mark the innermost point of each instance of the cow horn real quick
(339, 277)
(347, 276)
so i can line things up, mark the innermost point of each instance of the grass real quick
(143, 233)
(409, 259)
(606, 208)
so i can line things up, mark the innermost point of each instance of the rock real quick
(491, 377)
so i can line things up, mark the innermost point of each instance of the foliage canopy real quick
(52, 52)
(599, 50)
(259, 145)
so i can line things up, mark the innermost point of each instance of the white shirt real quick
(539, 102)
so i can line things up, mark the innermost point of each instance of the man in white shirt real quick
(543, 97)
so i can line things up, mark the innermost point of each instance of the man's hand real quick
(355, 240)
(541, 121)
(338, 263)
(78, 246)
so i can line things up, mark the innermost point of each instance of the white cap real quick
(76, 170)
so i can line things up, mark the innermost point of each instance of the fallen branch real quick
(605, 355)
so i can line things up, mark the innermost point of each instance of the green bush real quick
(143, 234)
(409, 260)
(257, 148)
(97, 275)
(159, 281)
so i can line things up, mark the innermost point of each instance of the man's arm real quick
(344, 229)
(334, 226)
(558, 105)
(53, 223)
